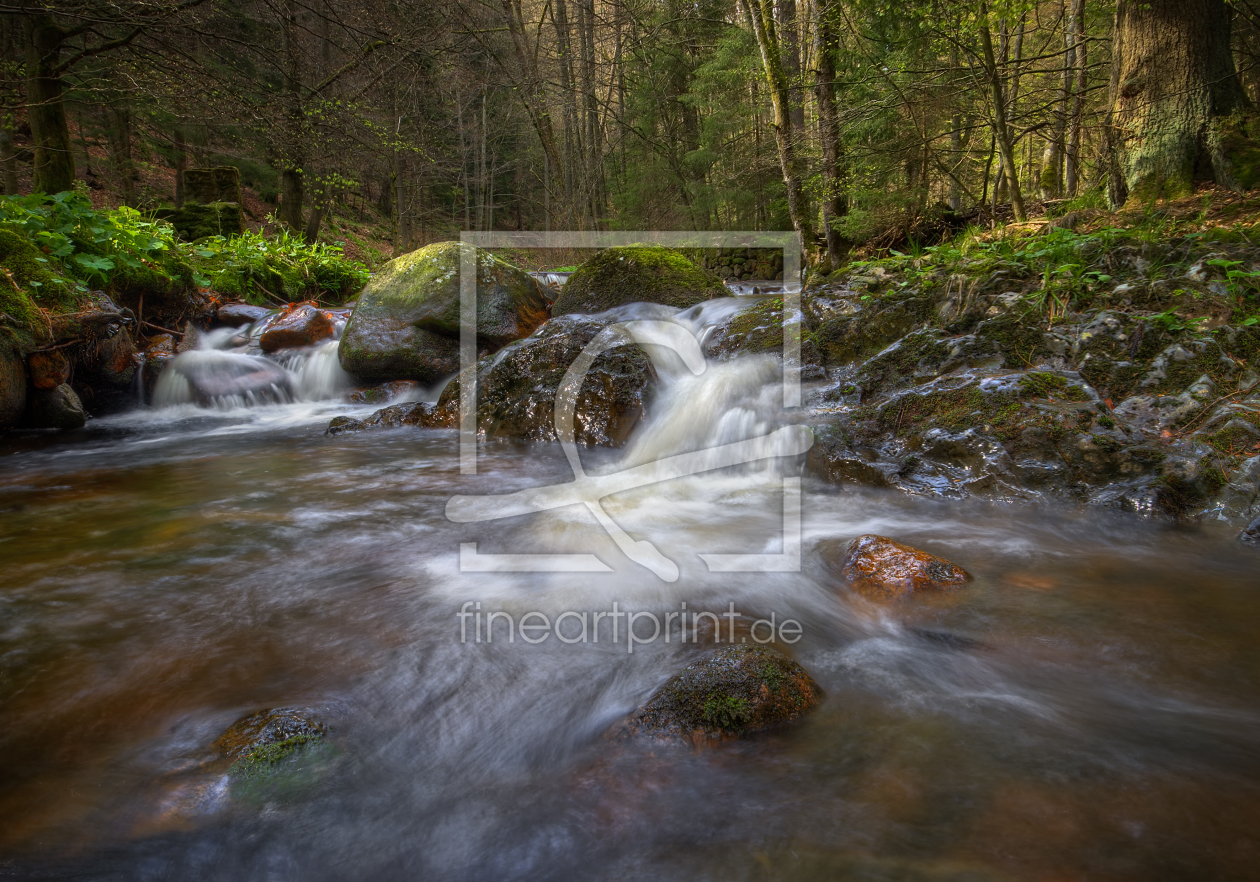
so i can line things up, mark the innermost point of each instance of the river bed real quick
(1088, 707)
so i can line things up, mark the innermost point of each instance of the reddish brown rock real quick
(300, 325)
(730, 692)
(881, 569)
(48, 369)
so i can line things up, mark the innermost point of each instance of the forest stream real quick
(1087, 707)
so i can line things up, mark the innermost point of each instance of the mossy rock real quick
(637, 273)
(165, 284)
(257, 743)
(28, 285)
(405, 325)
(731, 692)
(196, 220)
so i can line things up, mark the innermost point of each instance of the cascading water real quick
(227, 370)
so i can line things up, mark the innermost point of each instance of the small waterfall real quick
(317, 374)
(228, 370)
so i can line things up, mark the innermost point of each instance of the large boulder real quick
(516, 389)
(633, 274)
(731, 692)
(406, 326)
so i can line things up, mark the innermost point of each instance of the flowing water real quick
(1087, 708)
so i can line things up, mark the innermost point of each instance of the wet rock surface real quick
(212, 376)
(634, 274)
(234, 315)
(406, 323)
(48, 369)
(393, 417)
(267, 736)
(941, 395)
(517, 388)
(300, 325)
(880, 568)
(730, 692)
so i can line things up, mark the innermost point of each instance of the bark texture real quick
(1177, 105)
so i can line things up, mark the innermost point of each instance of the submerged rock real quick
(384, 392)
(731, 692)
(303, 324)
(636, 273)
(406, 323)
(206, 375)
(1251, 535)
(881, 569)
(393, 417)
(261, 740)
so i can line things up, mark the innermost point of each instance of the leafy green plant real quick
(1171, 322)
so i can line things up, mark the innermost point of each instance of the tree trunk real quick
(789, 40)
(181, 163)
(1052, 158)
(1174, 91)
(46, 109)
(762, 20)
(1001, 129)
(1072, 152)
(291, 148)
(532, 97)
(8, 158)
(835, 201)
(118, 126)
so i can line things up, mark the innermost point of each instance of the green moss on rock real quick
(406, 324)
(634, 273)
(732, 691)
(28, 283)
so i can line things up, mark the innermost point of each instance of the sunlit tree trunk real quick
(835, 203)
(1001, 128)
(1072, 151)
(1176, 101)
(761, 18)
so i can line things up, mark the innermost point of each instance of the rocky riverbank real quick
(1113, 368)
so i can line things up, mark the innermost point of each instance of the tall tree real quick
(1175, 97)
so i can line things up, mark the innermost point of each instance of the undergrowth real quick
(75, 248)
